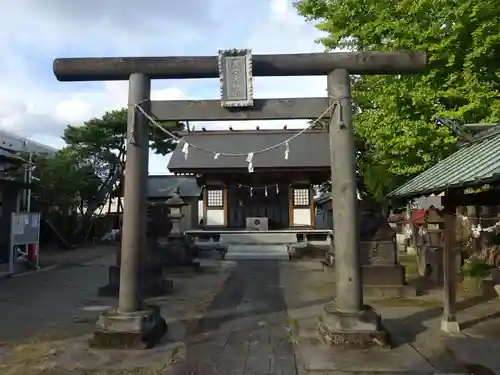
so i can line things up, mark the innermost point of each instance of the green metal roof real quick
(475, 163)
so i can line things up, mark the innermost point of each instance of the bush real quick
(475, 268)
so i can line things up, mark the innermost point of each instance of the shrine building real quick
(270, 190)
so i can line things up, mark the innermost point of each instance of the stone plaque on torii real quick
(131, 324)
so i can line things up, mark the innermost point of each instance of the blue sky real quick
(34, 32)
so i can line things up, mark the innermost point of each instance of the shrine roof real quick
(164, 186)
(474, 164)
(308, 150)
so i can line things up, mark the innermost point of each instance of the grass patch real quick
(411, 265)
(29, 358)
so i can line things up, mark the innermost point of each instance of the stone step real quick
(271, 252)
(258, 238)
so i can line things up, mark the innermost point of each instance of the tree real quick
(362, 158)
(101, 143)
(62, 181)
(397, 113)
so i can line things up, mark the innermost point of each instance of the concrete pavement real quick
(244, 331)
(245, 317)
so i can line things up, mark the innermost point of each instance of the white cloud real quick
(284, 12)
(72, 111)
(34, 104)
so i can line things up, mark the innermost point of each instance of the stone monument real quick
(382, 274)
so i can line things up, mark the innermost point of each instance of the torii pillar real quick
(133, 325)
(347, 321)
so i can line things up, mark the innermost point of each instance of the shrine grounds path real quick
(245, 330)
(244, 317)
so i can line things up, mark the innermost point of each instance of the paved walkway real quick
(245, 329)
(46, 318)
(59, 258)
(51, 300)
(248, 317)
(414, 325)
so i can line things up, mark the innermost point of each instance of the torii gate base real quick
(358, 329)
(137, 330)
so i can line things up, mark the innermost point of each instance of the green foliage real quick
(102, 141)
(63, 181)
(72, 177)
(397, 113)
(475, 268)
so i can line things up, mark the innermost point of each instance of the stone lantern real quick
(175, 204)
(177, 250)
(434, 223)
(431, 252)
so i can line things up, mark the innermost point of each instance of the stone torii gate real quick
(345, 321)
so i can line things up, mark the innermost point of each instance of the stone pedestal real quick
(111, 289)
(450, 326)
(152, 283)
(137, 330)
(359, 329)
(382, 275)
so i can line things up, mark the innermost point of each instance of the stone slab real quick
(315, 356)
(389, 291)
(257, 252)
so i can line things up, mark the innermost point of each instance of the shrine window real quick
(301, 197)
(215, 198)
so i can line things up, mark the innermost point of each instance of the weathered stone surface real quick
(378, 252)
(304, 249)
(378, 255)
(389, 291)
(384, 274)
(361, 329)
(373, 223)
(137, 330)
(245, 329)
